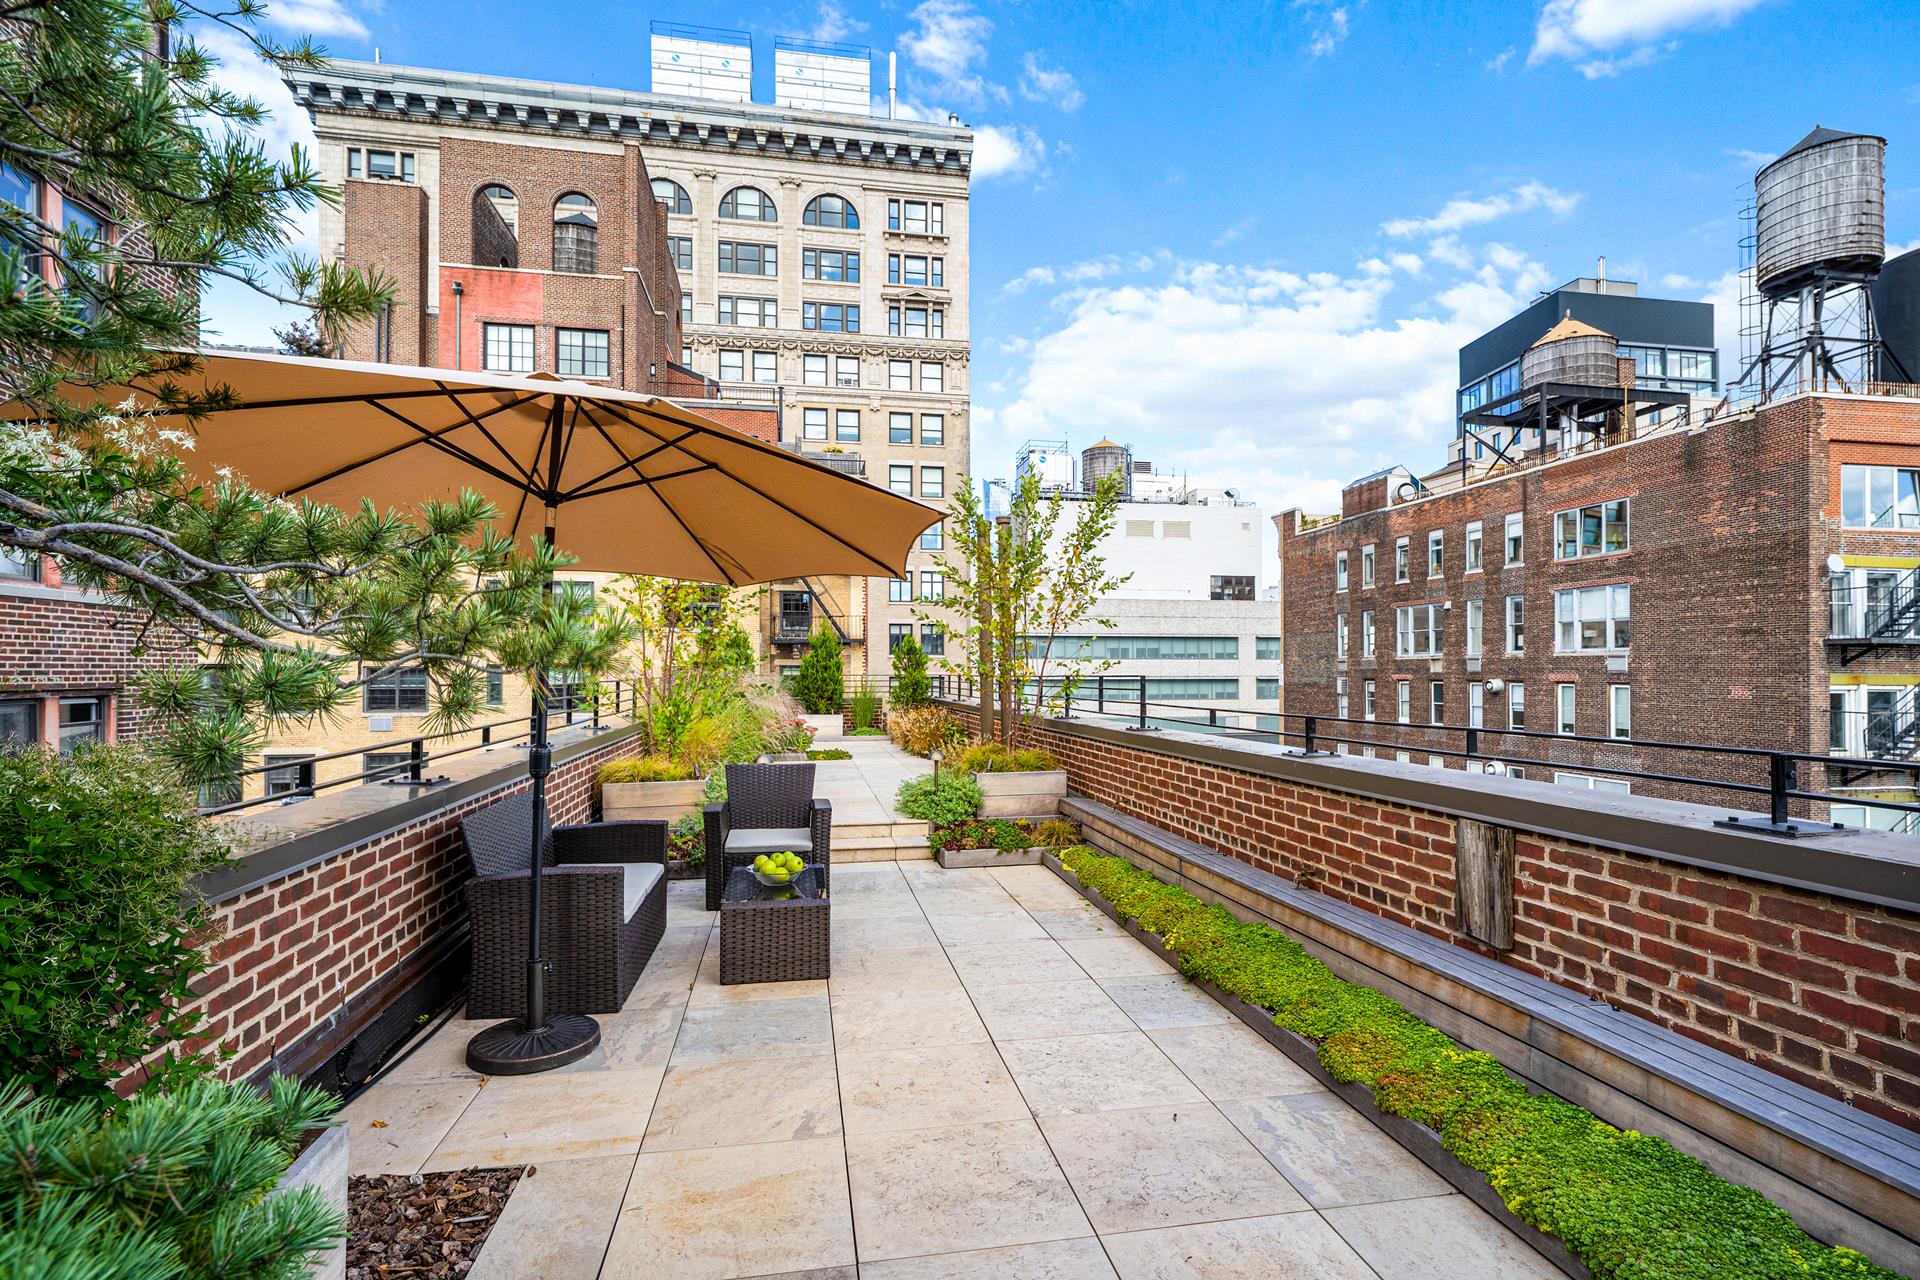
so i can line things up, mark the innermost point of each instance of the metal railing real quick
(1748, 771)
(620, 700)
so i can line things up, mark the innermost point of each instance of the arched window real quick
(831, 211)
(576, 234)
(748, 204)
(496, 227)
(676, 197)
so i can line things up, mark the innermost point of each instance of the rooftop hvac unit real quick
(702, 62)
(813, 75)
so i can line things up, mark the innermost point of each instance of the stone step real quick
(885, 849)
(879, 831)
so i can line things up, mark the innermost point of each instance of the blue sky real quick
(1249, 238)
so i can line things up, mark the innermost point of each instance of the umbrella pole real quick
(538, 1041)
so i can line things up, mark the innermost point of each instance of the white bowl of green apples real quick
(778, 870)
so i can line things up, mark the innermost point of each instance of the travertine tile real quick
(756, 1029)
(730, 1104)
(944, 1085)
(393, 1128)
(1332, 1153)
(1110, 1072)
(1231, 1060)
(1025, 1011)
(529, 1119)
(557, 1222)
(1170, 1001)
(1037, 888)
(1164, 1167)
(1292, 1246)
(904, 1020)
(1443, 1238)
(1081, 1259)
(977, 1186)
(1120, 956)
(959, 929)
(1076, 922)
(860, 934)
(1007, 963)
(906, 969)
(710, 990)
(721, 1212)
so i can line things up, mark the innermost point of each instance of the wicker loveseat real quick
(603, 908)
(770, 808)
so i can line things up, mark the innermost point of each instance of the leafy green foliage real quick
(787, 736)
(165, 1186)
(991, 757)
(99, 851)
(943, 799)
(820, 683)
(1630, 1206)
(829, 753)
(866, 733)
(912, 687)
(864, 708)
(644, 769)
(1006, 835)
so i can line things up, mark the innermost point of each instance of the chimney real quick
(1603, 273)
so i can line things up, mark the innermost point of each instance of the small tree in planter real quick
(911, 685)
(820, 682)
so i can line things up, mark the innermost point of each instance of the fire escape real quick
(1883, 614)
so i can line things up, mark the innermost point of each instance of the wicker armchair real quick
(603, 909)
(769, 808)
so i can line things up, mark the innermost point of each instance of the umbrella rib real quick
(631, 463)
(454, 398)
(526, 490)
(432, 439)
(384, 454)
(385, 395)
(694, 538)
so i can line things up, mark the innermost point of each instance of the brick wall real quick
(392, 217)
(294, 957)
(68, 645)
(1822, 990)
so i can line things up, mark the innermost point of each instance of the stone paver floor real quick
(996, 1082)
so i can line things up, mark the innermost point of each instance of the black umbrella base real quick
(510, 1049)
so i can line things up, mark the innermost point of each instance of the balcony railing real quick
(1880, 612)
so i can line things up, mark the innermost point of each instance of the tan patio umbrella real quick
(629, 483)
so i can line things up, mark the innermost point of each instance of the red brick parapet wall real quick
(300, 957)
(1821, 989)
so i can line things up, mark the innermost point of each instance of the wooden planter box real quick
(323, 1165)
(1022, 795)
(992, 857)
(671, 801)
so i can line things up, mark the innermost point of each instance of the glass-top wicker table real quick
(774, 934)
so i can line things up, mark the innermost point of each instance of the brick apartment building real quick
(806, 267)
(1735, 579)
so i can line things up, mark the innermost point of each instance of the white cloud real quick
(1458, 214)
(1674, 280)
(315, 17)
(1041, 83)
(1582, 29)
(1032, 277)
(1497, 64)
(1753, 159)
(1006, 151)
(949, 40)
(1328, 26)
(1283, 385)
(834, 23)
(1607, 68)
(1086, 271)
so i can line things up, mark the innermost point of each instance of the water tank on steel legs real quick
(1106, 458)
(1821, 209)
(1572, 352)
(1896, 313)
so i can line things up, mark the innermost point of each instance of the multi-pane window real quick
(1516, 706)
(751, 313)
(378, 765)
(933, 376)
(1193, 690)
(1516, 624)
(831, 211)
(392, 166)
(1418, 630)
(1593, 618)
(1339, 571)
(933, 482)
(916, 217)
(899, 590)
(1437, 703)
(1436, 553)
(813, 370)
(1366, 566)
(507, 348)
(737, 257)
(674, 195)
(813, 424)
(1403, 701)
(1125, 648)
(1268, 687)
(934, 537)
(733, 366)
(1339, 697)
(1476, 618)
(933, 584)
(917, 322)
(397, 691)
(1400, 560)
(1366, 699)
(766, 366)
(830, 317)
(1340, 637)
(680, 249)
(580, 353)
(496, 686)
(1366, 633)
(21, 190)
(1474, 554)
(1597, 530)
(846, 371)
(1879, 497)
(900, 479)
(686, 312)
(916, 270)
(1516, 539)
(83, 722)
(933, 428)
(1230, 586)
(899, 428)
(1476, 705)
(846, 425)
(830, 264)
(900, 375)
(19, 565)
(1620, 711)
(1267, 648)
(1563, 707)
(896, 632)
(289, 775)
(748, 204)
(933, 638)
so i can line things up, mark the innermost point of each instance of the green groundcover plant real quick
(942, 799)
(1628, 1205)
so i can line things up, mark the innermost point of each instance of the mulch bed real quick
(423, 1224)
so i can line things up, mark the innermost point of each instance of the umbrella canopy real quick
(634, 483)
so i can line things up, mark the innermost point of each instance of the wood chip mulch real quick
(423, 1226)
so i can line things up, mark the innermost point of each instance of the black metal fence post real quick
(417, 761)
(1143, 702)
(1473, 743)
(1780, 780)
(1100, 693)
(1308, 728)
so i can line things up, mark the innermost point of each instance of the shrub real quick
(644, 769)
(830, 753)
(819, 682)
(1057, 833)
(100, 926)
(911, 685)
(687, 839)
(864, 707)
(1004, 834)
(953, 797)
(991, 757)
(1628, 1205)
(169, 1185)
(922, 729)
(789, 735)
(866, 733)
